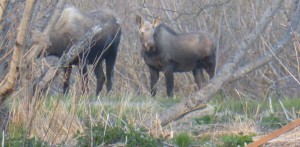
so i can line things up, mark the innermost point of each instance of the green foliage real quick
(183, 140)
(288, 103)
(101, 135)
(250, 107)
(272, 122)
(17, 136)
(207, 119)
(245, 106)
(236, 140)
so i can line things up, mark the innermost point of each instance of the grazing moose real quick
(71, 26)
(165, 50)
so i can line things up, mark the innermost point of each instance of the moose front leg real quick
(110, 63)
(154, 75)
(66, 79)
(169, 75)
(84, 80)
(100, 77)
(199, 77)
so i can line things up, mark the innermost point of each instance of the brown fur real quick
(71, 26)
(168, 51)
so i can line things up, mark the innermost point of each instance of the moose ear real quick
(156, 22)
(139, 21)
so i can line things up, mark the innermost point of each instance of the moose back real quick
(71, 26)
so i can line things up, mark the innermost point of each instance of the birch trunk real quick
(10, 81)
(3, 5)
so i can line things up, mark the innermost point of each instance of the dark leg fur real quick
(66, 80)
(84, 79)
(198, 76)
(100, 77)
(154, 75)
(169, 80)
(209, 65)
(110, 63)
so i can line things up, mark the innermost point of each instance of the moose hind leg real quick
(66, 79)
(110, 63)
(154, 75)
(198, 76)
(84, 79)
(100, 77)
(210, 65)
(169, 75)
(210, 70)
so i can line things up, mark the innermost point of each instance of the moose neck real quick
(165, 38)
(162, 28)
(164, 33)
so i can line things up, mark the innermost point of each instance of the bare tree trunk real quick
(3, 5)
(42, 41)
(10, 81)
(226, 73)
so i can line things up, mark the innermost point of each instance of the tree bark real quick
(42, 41)
(3, 5)
(10, 81)
(226, 73)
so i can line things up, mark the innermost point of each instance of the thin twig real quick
(285, 111)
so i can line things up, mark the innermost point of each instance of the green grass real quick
(17, 136)
(168, 102)
(236, 140)
(288, 103)
(226, 140)
(183, 139)
(100, 135)
(249, 107)
(205, 140)
(241, 106)
(244, 106)
(207, 119)
(123, 109)
(272, 122)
